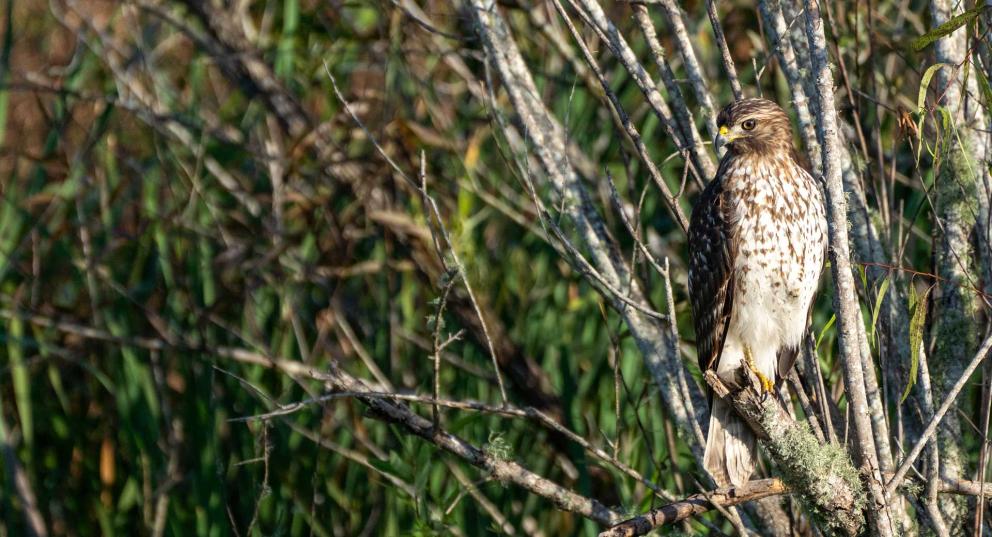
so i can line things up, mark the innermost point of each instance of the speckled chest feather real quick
(778, 220)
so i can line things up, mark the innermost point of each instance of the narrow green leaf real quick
(921, 97)
(983, 82)
(826, 327)
(8, 43)
(947, 28)
(287, 42)
(21, 380)
(878, 305)
(919, 316)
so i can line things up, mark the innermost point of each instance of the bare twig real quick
(983, 454)
(436, 214)
(34, 522)
(608, 32)
(778, 35)
(547, 140)
(695, 73)
(500, 468)
(728, 61)
(501, 522)
(629, 129)
(681, 110)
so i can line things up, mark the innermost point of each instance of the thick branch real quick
(961, 173)
(845, 298)
(822, 475)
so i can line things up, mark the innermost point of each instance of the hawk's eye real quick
(748, 124)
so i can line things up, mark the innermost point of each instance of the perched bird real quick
(757, 241)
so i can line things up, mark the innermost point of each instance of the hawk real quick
(757, 241)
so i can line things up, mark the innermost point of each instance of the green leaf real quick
(921, 109)
(921, 97)
(21, 379)
(826, 327)
(947, 28)
(986, 89)
(8, 43)
(918, 305)
(878, 305)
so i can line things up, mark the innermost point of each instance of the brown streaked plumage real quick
(756, 247)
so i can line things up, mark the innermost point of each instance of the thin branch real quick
(429, 201)
(629, 129)
(931, 428)
(502, 469)
(546, 141)
(594, 15)
(34, 522)
(680, 108)
(695, 505)
(728, 61)
(695, 73)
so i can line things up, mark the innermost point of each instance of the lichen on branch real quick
(821, 476)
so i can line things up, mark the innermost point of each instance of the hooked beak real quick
(724, 137)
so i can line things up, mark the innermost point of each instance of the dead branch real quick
(501, 468)
(33, 519)
(982, 354)
(609, 33)
(728, 61)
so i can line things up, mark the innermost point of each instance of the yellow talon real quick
(767, 385)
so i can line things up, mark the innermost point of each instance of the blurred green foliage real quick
(126, 261)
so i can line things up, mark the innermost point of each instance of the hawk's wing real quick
(787, 356)
(712, 254)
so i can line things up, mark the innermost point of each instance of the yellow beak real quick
(724, 136)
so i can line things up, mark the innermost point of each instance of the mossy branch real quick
(821, 475)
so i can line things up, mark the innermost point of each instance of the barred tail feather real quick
(730, 447)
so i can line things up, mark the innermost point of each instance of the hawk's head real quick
(755, 126)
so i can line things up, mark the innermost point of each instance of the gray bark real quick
(845, 297)
(547, 139)
(961, 174)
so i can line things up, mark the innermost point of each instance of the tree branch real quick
(694, 505)
(845, 297)
(547, 138)
(821, 475)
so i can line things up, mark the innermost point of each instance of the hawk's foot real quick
(767, 385)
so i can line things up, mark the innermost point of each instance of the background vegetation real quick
(186, 201)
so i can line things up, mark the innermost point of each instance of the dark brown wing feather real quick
(712, 251)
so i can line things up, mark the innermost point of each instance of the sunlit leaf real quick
(947, 28)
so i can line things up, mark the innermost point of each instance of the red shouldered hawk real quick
(757, 241)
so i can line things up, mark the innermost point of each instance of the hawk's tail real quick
(730, 446)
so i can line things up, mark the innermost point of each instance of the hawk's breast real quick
(781, 228)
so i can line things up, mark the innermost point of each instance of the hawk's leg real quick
(767, 384)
